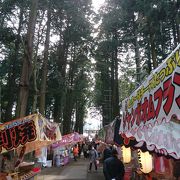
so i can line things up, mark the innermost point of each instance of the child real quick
(75, 152)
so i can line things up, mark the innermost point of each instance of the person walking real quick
(75, 152)
(107, 152)
(93, 155)
(79, 149)
(113, 168)
(85, 150)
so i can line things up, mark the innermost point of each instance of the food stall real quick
(62, 150)
(25, 135)
(151, 115)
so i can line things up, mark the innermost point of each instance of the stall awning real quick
(109, 132)
(68, 139)
(122, 139)
(33, 131)
(151, 114)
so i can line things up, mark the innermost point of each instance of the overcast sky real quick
(94, 119)
(97, 4)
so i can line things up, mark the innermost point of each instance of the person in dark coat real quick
(113, 168)
(176, 169)
(107, 152)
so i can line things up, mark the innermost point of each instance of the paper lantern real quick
(126, 154)
(145, 160)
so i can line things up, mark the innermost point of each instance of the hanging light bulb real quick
(145, 160)
(126, 154)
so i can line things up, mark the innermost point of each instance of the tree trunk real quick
(152, 44)
(77, 122)
(137, 58)
(35, 94)
(60, 97)
(112, 88)
(27, 63)
(106, 79)
(115, 88)
(80, 112)
(137, 54)
(57, 114)
(12, 72)
(178, 31)
(174, 32)
(67, 113)
(175, 23)
(70, 100)
(36, 65)
(149, 59)
(45, 66)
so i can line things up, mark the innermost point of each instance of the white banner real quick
(109, 132)
(151, 113)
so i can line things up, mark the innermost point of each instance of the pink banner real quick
(68, 139)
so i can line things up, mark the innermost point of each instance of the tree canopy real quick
(60, 57)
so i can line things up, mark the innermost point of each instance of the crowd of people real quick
(113, 168)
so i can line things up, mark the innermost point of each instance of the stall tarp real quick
(122, 139)
(68, 139)
(101, 134)
(151, 113)
(109, 132)
(33, 131)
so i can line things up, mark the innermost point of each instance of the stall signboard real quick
(151, 113)
(33, 131)
(68, 139)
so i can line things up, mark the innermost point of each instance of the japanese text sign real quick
(151, 113)
(24, 131)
